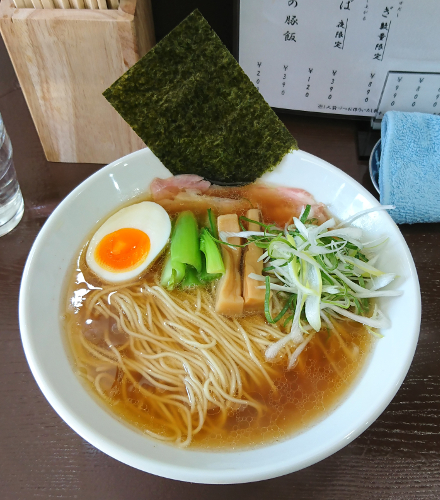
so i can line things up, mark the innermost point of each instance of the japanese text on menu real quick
(334, 56)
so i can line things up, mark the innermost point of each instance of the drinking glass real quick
(11, 199)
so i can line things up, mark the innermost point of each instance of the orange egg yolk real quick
(122, 250)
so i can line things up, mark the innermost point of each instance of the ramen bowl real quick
(42, 300)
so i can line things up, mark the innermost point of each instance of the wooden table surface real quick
(397, 457)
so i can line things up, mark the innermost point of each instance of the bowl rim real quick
(187, 473)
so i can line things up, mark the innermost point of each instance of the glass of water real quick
(11, 199)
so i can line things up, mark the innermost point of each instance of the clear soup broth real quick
(117, 359)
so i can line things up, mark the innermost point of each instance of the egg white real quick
(146, 216)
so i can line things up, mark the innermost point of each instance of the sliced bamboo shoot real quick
(253, 296)
(229, 300)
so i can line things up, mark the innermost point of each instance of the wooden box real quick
(64, 60)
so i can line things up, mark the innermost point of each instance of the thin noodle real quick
(178, 361)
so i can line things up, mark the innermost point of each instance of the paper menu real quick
(334, 56)
(410, 91)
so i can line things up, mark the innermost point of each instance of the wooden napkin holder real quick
(64, 59)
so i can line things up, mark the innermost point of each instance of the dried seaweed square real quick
(192, 104)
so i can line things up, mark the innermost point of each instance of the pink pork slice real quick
(200, 203)
(318, 210)
(170, 187)
(190, 192)
(282, 203)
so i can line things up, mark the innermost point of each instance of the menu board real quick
(343, 56)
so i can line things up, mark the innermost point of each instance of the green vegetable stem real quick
(184, 253)
(214, 261)
(185, 264)
(185, 241)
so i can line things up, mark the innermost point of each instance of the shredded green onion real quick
(326, 265)
(287, 305)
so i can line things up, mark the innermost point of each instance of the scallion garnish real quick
(325, 271)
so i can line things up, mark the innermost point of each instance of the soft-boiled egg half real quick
(128, 242)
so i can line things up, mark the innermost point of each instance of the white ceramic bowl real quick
(41, 299)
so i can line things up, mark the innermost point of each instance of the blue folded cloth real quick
(409, 174)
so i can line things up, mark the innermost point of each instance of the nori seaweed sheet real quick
(195, 108)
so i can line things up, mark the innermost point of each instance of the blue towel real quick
(409, 174)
